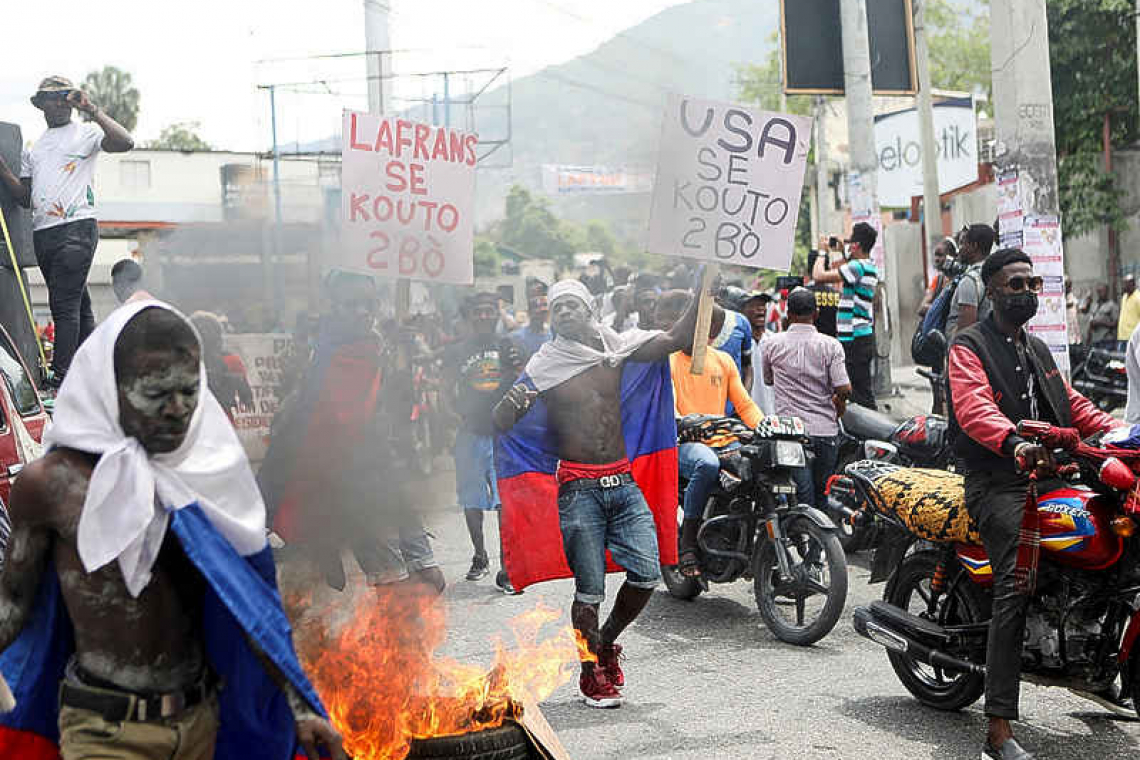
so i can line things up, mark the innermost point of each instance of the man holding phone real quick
(57, 181)
(856, 316)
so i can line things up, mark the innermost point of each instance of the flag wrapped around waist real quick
(241, 601)
(526, 460)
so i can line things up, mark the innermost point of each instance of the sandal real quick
(689, 564)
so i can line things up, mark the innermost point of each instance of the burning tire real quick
(507, 742)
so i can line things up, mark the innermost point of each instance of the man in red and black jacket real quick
(1000, 375)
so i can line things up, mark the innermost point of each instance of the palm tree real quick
(112, 90)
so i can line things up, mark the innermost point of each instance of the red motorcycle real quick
(1083, 618)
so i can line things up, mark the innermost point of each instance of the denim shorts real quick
(596, 519)
(476, 485)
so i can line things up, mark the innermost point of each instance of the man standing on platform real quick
(57, 181)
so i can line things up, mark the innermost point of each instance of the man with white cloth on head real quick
(578, 375)
(139, 577)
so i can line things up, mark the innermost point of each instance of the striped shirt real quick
(856, 303)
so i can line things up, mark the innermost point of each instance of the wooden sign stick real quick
(704, 319)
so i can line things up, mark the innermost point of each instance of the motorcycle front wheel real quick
(803, 609)
(962, 603)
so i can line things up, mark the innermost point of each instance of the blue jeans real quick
(618, 519)
(811, 480)
(699, 465)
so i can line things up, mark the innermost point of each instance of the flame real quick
(384, 686)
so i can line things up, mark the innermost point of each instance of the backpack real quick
(923, 351)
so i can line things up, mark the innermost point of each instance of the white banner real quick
(728, 183)
(262, 354)
(408, 200)
(580, 180)
(898, 149)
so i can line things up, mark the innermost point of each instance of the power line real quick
(599, 90)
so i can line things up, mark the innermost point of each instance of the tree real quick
(180, 136)
(532, 229)
(112, 90)
(958, 38)
(1092, 54)
(486, 258)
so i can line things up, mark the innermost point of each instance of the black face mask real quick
(1017, 308)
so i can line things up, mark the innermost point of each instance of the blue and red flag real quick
(526, 460)
(241, 600)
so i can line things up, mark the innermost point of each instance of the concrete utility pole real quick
(861, 142)
(822, 198)
(931, 202)
(1023, 101)
(377, 41)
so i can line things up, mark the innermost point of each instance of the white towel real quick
(560, 359)
(130, 496)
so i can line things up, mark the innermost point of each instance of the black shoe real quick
(504, 584)
(1010, 750)
(480, 568)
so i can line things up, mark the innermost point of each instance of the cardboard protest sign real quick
(263, 355)
(728, 183)
(408, 200)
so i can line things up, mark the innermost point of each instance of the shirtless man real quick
(600, 506)
(129, 648)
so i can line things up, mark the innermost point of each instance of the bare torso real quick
(586, 412)
(148, 644)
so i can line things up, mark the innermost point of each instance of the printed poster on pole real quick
(728, 185)
(1042, 242)
(407, 200)
(263, 355)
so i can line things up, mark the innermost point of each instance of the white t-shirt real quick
(1132, 365)
(61, 165)
(763, 394)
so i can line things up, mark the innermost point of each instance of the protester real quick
(856, 320)
(706, 393)
(329, 476)
(579, 386)
(478, 371)
(753, 306)
(735, 339)
(944, 254)
(645, 291)
(1129, 310)
(1132, 366)
(141, 612)
(999, 376)
(230, 388)
(826, 297)
(126, 282)
(528, 339)
(969, 303)
(1105, 318)
(57, 176)
(808, 372)
(624, 314)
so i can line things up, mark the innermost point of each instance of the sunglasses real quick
(1019, 283)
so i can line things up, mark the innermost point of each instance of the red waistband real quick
(568, 471)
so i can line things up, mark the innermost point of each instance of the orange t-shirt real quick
(707, 393)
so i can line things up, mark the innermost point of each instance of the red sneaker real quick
(597, 691)
(609, 660)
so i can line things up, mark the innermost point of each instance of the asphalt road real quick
(705, 679)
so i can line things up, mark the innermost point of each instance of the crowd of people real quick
(145, 508)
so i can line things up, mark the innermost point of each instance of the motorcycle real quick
(1082, 621)
(753, 529)
(1103, 377)
(921, 441)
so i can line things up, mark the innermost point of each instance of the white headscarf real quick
(130, 496)
(560, 359)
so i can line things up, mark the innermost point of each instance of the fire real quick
(383, 684)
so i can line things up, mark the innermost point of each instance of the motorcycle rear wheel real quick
(963, 603)
(809, 544)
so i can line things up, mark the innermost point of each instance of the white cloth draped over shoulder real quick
(131, 495)
(560, 359)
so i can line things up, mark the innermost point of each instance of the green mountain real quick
(605, 108)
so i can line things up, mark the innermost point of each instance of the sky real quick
(203, 61)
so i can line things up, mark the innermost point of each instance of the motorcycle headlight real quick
(790, 454)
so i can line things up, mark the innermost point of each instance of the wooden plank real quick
(704, 319)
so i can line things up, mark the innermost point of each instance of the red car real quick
(19, 403)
